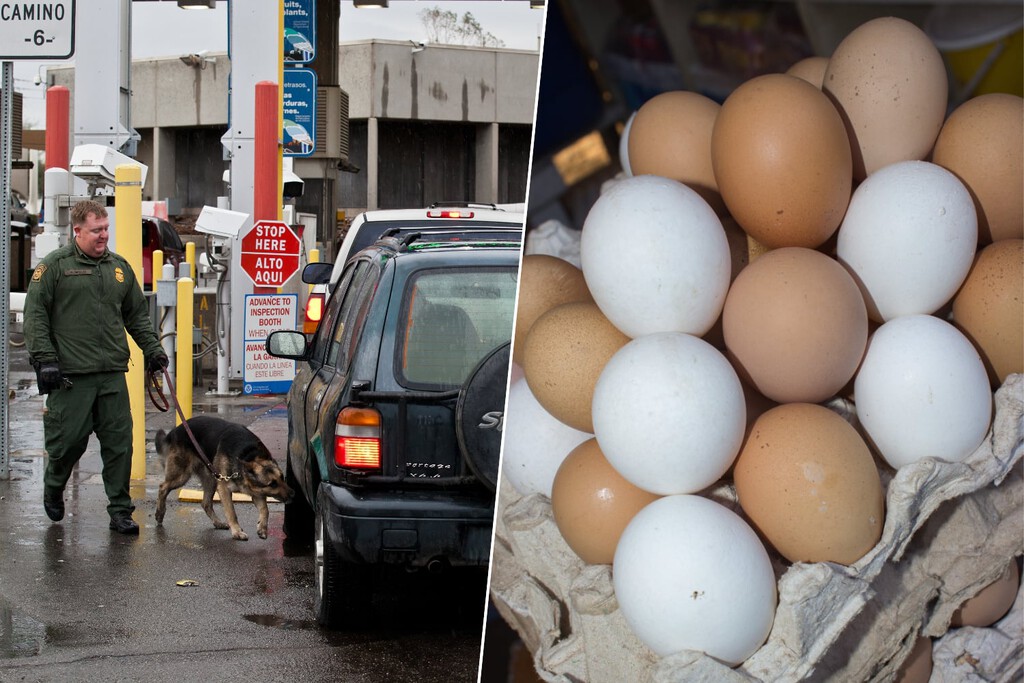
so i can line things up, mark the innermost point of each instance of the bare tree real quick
(446, 28)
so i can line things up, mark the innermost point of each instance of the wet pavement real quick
(79, 602)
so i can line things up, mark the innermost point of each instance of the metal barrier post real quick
(128, 215)
(183, 360)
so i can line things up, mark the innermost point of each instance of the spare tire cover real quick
(480, 415)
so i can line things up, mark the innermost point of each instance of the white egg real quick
(535, 443)
(624, 145)
(690, 574)
(669, 413)
(908, 238)
(655, 257)
(922, 391)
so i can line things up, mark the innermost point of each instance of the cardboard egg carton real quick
(950, 530)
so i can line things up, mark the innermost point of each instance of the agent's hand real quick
(49, 374)
(49, 378)
(156, 363)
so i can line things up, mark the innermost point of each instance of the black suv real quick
(396, 411)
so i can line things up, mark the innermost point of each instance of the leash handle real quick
(159, 392)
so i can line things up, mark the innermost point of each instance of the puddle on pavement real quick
(275, 621)
(20, 635)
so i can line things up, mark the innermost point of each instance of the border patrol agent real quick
(80, 301)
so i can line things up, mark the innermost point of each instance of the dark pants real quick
(99, 404)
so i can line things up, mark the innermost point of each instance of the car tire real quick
(479, 415)
(298, 514)
(343, 588)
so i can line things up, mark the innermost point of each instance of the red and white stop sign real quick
(270, 253)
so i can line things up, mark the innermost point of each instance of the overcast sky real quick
(161, 29)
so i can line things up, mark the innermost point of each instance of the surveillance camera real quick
(98, 163)
(37, 80)
(220, 222)
(292, 184)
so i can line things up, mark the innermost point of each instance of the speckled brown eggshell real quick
(592, 503)
(808, 483)
(992, 602)
(795, 325)
(544, 282)
(811, 69)
(564, 353)
(982, 143)
(782, 161)
(989, 308)
(670, 136)
(917, 668)
(889, 82)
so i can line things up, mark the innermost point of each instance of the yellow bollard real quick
(183, 356)
(128, 230)
(190, 258)
(157, 268)
(314, 257)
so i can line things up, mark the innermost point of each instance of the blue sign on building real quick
(299, 31)
(299, 134)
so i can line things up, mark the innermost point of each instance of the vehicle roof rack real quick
(396, 239)
(465, 205)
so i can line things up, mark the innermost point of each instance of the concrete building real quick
(425, 124)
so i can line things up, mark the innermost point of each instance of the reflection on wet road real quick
(186, 602)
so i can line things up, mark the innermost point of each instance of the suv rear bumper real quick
(411, 528)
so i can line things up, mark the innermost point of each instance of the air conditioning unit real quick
(331, 123)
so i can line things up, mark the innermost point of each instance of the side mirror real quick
(317, 273)
(287, 344)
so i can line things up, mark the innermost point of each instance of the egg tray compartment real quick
(950, 530)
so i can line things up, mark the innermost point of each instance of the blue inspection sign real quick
(299, 31)
(299, 134)
(264, 313)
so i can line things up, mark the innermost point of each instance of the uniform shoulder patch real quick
(37, 274)
(118, 274)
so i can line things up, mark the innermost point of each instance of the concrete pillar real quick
(372, 167)
(487, 163)
(161, 175)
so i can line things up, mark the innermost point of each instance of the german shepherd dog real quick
(236, 454)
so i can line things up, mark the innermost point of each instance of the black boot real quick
(123, 523)
(53, 503)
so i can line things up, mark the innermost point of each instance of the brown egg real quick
(544, 282)
(992, 603)
(563, 355)
(795, 325)
(982, 142)
(989, 308)
(809, 484)
(917, 668)
(671, 137)
(889, 82)
(739, 251)
(811, 69)
(592, 503)
(782, 161)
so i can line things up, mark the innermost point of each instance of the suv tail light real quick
(449, 213)
(314, 312)
(357, 438)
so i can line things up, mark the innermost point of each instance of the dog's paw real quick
(261, 532)
(239, 535)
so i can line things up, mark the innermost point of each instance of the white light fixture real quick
(197, 4)
(370, 4)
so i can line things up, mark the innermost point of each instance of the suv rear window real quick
(452, 319)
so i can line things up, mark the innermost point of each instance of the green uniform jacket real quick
(78, 308)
